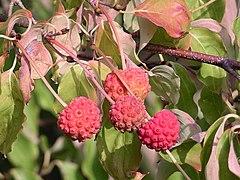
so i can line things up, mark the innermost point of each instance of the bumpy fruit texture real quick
(136, 80)
(161, 132)
(127, 114)
(80, 119)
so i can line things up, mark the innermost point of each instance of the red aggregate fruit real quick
(80, 119)
(136, 80)
(161, 132)
(127, 114)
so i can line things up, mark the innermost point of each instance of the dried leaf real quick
(172, 15)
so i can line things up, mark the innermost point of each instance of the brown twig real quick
(229, 65)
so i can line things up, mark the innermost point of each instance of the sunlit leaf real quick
(165, 83)
(172, 15)
(208, 42)
(188, 152)
(214, 10)
(11, 111)
(74, 84)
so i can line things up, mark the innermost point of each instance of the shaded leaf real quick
(23, 174)
(119, 152)
(212, 166)
(106, 42)
(69, 170)
(188, 126)
(233, 163)
(130, 20)
(165, 83)
(231, 12)
(172, 15)
(187, 91)
(11, 111)
(19, 159)
(189, 153)
(91, 167)
(208, 42)
(74, 84)
(209, 99)
(214, 10)
(222, 154)
(236, 30)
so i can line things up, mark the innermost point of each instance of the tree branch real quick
(229, 65)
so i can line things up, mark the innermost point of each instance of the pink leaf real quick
(41, 56)
(172, 15)
(211, 24)
(233, 163)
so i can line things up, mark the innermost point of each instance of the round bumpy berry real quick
(127, 114)
(80, 119)
(161, 132)
(136, 80)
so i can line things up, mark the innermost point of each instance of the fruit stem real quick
(18, 44)
(120, 48)
(90, 75)
(177, 165)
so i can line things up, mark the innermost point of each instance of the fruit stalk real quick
(53, 41)
(177, 165)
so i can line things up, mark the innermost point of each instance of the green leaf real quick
(43, 96)
(208, 140)
(11, 111)
(130, 20)
(167, 171)
(91, 167)
(207, 101)
(208, 42)
(214, 10)
(236, 30)
(165, 83)
(189, 153)
(73, 3)
(187, 91)
(69, 170)
(73, 84)
(223, 147)
(106, 42)
(210, 145)
(23, 174)
(119, 152)
(20, 159)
